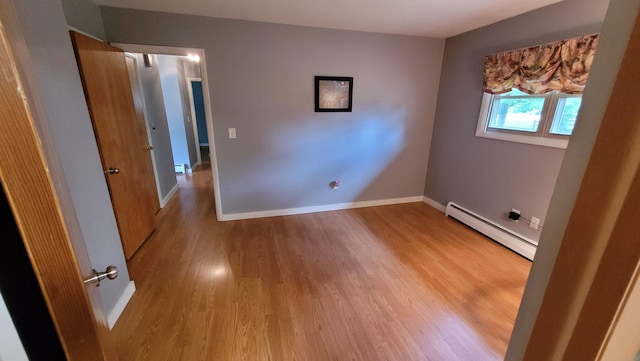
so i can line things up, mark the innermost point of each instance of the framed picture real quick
(334, 93)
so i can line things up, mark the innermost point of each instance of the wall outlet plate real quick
(535, 223)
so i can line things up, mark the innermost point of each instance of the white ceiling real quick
(435, 18)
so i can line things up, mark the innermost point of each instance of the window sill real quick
(535, 139)
(546, 142)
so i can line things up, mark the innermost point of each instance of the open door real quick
(597, 262)
(37, 197)
(122, 142)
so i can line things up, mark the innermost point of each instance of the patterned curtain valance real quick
(561, 65)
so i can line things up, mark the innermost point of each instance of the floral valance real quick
(562, 65)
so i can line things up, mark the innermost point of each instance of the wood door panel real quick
(108, 93)
(38, 201)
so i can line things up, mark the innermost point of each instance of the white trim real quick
(434, 204)
(167, 198)
(546, 142)
(213, 154)
(170, 50)
(194, 120)
(314, 209)
(159, 50)
(124, 299)
(483, 132)
(85, 34)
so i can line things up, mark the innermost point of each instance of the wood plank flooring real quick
(398, 282)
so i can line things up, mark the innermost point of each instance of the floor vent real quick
(514, 241)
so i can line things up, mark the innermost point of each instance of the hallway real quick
(398, 282)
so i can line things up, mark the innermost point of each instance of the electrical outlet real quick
(514, 215)
(535, 223)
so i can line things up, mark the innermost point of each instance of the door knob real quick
(148, 147)
(111, 273)
(113, 171)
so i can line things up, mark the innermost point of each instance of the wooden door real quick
(122, 143)
(597, 262)
(34, 188)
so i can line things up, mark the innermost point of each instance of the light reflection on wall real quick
(311, 152)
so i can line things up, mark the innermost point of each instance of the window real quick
(533, 95)
(546, 119)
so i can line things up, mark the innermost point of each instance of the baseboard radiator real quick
(180, 168)
(514, 241)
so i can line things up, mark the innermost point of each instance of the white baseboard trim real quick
(171, 193)
(434, 204)
(314, 209)
(115, 313)
(193, 167)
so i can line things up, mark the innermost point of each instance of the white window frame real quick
(542, 137)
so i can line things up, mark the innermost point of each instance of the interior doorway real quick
(172, 74)
(197, 114)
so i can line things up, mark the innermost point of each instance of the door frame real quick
(194, 120)
(206, 94)
(593, 273)
(41, 205)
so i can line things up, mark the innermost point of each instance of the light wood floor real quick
(397, 282)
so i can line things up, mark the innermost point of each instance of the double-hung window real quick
(546, 119)
(533, 95)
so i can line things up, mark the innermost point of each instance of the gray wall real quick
(171, 92)
(492, 176)
(261, 82)
(84, 15)
(11, 348)
(157, 119)
(191, 69)
(59, 89)
(186, 68)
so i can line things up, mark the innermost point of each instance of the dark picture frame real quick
(334, 93)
